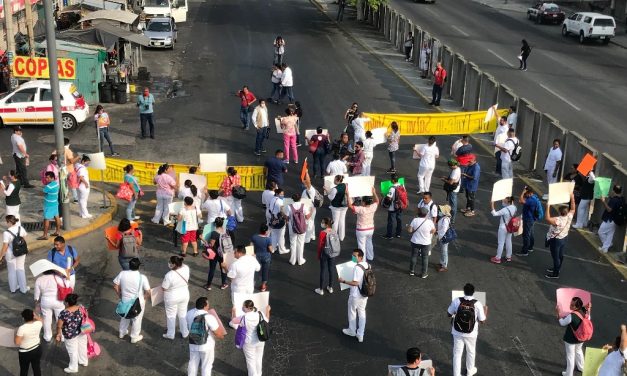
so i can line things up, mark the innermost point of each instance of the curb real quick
(100, 221)
(622, 269)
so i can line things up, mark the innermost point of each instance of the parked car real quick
(31, 103)
(546, 13)
(587, 25)
(162, 32)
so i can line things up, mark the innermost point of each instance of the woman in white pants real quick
(339, 198)
(504, 238)
(69, 328)
(253, 347)
(275, 209)
(83, 186)
(428, 154)
(166, 187)
(573, 347)
(365, 222)
(11, 190)
(232, 180)
(46, 298)
(310, 193)
(15, 265)
(175, 287)
(297, 240)
(369, 144)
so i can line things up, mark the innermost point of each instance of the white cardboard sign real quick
(98, 161)
(214, 162)
(41, 266)
(345, 271)
(502, 188)
(378, 135)
(559, 193)
(156, 295)
(277, 124)
(7, 337)
(359, 186)
(175, 207)
(200, 181)
(261, 300)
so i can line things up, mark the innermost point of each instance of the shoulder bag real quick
(129, 309)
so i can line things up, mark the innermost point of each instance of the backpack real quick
(263, 329)
(198, 331)
(619, 218)
(465, 318)
(516, 153)
(317, 199)
(18, 244)
(585, 329)
(449, 235)
(299, 223)
(400, 198)
(369, 283)
(332, 245)
(538, 212)
(513, 225)
(226, 244)
(277, 221)
(128, 246)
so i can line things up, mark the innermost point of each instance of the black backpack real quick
(198, 331)
(516, 153)
(18, 244)
(619, 218)
(263, 329)
(465, 317)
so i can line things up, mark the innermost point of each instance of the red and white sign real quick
(16, 5)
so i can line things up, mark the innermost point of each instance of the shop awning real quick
(111, 15)
(121, 33)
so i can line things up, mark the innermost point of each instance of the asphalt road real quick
(227, 44)
(581, 85)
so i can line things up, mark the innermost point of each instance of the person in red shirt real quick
(247, 98)
(439, 77)
(231, 180)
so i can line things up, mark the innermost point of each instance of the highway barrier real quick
(252, 176)
(472, 89)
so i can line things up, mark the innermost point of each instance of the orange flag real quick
(587, 164)
(304, 171)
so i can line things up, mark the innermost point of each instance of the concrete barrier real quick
(458, 78)
(415, 58)
(527, 133)
(447, 63)
(577, 146)
(387, 27)
(394, 34)
(506, 97)
(488, 92)
(472, 86)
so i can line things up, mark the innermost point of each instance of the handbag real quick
(263, 329)
(63, 290)
(239, 192)
(181, 227)
(125, 192)
(93, 348)
(87, 325)
(129, 309)
(231, 223)
(276, 221)
(209, 254)
(240, 334)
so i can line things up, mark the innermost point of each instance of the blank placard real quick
(97, 161)
(212, 162)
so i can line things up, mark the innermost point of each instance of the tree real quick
(360, 5)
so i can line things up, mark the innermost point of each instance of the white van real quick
(587, 25)
(176, 9)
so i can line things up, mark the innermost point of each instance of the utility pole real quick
(51, 51)
(28, 9)
(8, 27)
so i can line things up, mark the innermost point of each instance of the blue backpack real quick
(538, 212)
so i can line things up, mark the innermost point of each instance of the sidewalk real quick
(31, 213)
(375, 43)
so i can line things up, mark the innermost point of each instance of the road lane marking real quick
(429, 10)
(350, 73)
(462, 32)
(560, 97)
(330, 40)
(501, 58)
(593, 293)
(526, 357)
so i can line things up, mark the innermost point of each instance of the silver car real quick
(162, 32)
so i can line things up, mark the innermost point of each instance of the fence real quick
(472, 89)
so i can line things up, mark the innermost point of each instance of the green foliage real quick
(374, 4)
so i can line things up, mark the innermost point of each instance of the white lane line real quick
(501, 58)
(560, 97)
(526, 357)
(462, 32)
(350, 73)
(428, 9)
(593, 293)
(330, 40)
(574, 257)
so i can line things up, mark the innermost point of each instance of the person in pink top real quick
(288, 125)
(365, 222)
(232, 180)
(166, 187)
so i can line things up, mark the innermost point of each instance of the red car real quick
(546, 13)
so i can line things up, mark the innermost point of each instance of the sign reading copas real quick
(37, 67)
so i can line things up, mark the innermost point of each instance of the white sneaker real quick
(360, 339)
(122, 335)
(302, 263)
(348, 332)
(319, 291)
(575, 226)
(88, 216)
(330, 290)
(167, 337)
(69, 370)
(284, 252)
(136, 217)
(472, 371)
(86, 364)
(137, 339)
(27, 290)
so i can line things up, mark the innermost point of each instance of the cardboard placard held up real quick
(359, 186)
(586, 164)
(277, 124)
(212, 162)
(97, 161)
(378, 135)
(156, 295)
(311, 132)
(502, 189)
(387, 184)
(480, 296)
(200, 181)
(221, 331)
(250, 250)
(593, 359)
(175, 207)
(7, 337)
(602, 187)
(42, 265)
(564, 295)
(559, 193)
(261, 300)
(345, 271)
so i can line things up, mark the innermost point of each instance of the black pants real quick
(437, 94)
(30, 359)
(340, 13)
(213, 264)
(470, 200)
(407, 52)
(147, 118)
(394, 215)
(327, 266)
(497, 155)
(21, 170)
(523, 62)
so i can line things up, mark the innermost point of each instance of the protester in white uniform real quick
(428, 154)
(253, 347)
(15, 265)
(310, 192)
(215, 206)
(368, 150)
(275, 210)
(500, 135)
(356, 301)
(175, 287)
(507, 149)
(268, 194)
(242, 272)
(614, 363)
(131, 284)
(465, 333)
(337, 166)
(202, 339)
(298, 214)
(552, 164)
(83, 186)
(507, 212)
(359, 125)
(46, 298)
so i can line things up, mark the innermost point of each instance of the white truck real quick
(588, 25)
(176, 9)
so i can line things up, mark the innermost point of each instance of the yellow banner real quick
(436, 124)
(252, 176)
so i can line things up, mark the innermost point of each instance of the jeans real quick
(452, 200)
(340, 13)
(436, 94)
(261, 136)
(147, 118)
(104, 135)
(443, 254)
(276, 89)
(130, 209)
(21, 170)
(557, 252)
(318, 159)
(327, 265)
(392, 155)
(394, 215)
(527, 235)
(278, 59)
(523, 62)
(213, 264)
(289, 142)
(265, 261)
(287, 90)
(244, 116)
(30, 359)
(459, 343)
(124, 262)
(497, 155)
(504, 241)
(423, 250)
(470, 200)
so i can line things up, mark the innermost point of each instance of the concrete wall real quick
(472, 86)
(458, 78)
(527, 132)
(488, 92)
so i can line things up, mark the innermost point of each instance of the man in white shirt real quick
(215, 207)
(500, 135)
(428, 154)
(297, 241)
(552, 164)
(368, 150)
(20, 155)
(507, 148)
(359, 126)
(421, 230)
(512, 117)
(287, 82)
(129, 285)
(465, 331)
(336, 166)
(613, 363)
(275, 208)
(432, 207)
(356, 302)
(260, 121)
(202, 353)
(453, 180)
(242, 272)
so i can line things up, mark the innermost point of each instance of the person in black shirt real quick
(584, 186)
(574, 348)
(610, 217)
